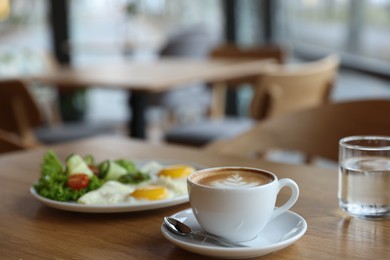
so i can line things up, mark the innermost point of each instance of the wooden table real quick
(31, 230)
(156, 76)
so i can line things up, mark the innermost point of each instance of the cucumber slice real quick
(114, 171)
(76, 164)
(88, 159)
(103, 169)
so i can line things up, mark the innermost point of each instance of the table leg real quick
(224, 100)
(137, 124)
(231, 105)
(217, 109)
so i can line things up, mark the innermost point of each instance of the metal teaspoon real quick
(180, 228)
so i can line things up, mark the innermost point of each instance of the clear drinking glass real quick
(364, 176)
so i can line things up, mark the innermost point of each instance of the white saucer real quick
(281, 232)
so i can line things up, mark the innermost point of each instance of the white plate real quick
(118, 207)
(281, 232)
(110, 208)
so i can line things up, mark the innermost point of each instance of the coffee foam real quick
(232, 178)
(234, 181)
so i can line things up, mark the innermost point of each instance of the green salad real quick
(80, 174)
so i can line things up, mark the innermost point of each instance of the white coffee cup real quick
(237, 202)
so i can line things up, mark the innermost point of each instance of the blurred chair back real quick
(315, 131)
(261, 52)
(19, 112)
(285, 88)
(194, 41)
(234, 51)
(10, 143)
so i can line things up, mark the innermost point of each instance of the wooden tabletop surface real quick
(152, 75)
(31, 230)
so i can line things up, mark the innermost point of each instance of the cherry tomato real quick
(78, 181)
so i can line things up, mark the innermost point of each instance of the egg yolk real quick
(176, 171)
(150, 193)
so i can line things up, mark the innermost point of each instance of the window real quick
(358, 29)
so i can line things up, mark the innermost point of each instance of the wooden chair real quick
(285, 88)
(10, 143)
(315, 132)
(19, 113)
(233, 51)
(281, 89)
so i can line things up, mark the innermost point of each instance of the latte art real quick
(234, 181)
(233, 178)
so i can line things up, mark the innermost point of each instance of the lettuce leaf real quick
(52, 183)
(129, 166)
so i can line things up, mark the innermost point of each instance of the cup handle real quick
(291, 201)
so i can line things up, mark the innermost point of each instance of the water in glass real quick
(364, 186)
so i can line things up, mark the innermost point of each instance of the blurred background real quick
(36, 33)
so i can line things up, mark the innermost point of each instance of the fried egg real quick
(151, 192)
(110, 192)
(174, 177)
(165, 182)
(176, 171)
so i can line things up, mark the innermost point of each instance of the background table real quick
(155, 76)
(31, 230)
